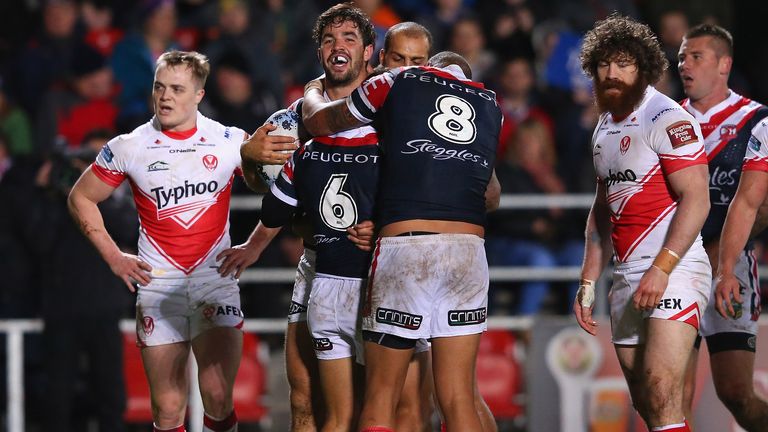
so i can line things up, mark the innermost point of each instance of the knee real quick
(217, 402)
(735, 396)
(169, 409)
(660, 391)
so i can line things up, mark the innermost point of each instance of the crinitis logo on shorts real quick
(398, 318)
(148, 324)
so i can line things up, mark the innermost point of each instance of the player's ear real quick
(199, 95)
(319, 56)
(724, 65)
(381, 56)
(368, 52)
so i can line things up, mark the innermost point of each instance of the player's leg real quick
(689, 388)
(218, 352)
(666, 356)
(453, 363)
(339, 379)
(307, 404)
(414, 410)
(732, 374)
(484, 412)
(166, 369)
(385, 371)
(631, 362)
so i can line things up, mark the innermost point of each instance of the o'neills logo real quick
(619, 177)
(164, 196)
(296, 308)
(323, 344)
(467, 317)
(398, 318)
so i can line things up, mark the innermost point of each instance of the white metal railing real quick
(15, 330)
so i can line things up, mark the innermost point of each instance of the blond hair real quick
(196, 62)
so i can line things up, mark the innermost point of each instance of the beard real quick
(344, 78)
(621, 105)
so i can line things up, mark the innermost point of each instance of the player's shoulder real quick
(660, 110)
(127, 141)
(220, 131)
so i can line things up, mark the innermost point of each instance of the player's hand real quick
(362, 235)
(651, 289)
(727, 288)
(583, 305)
(130, 269)
(268, 149)
(236, 259)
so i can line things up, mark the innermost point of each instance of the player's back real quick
(438, 132)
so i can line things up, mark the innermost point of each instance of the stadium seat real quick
(248, 392)
(499, 375)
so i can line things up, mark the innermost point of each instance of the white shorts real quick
(428, 286)
(746, 317)
(305, 275)
(684, 299)
(422, 345)
(333, 317)
(169, 311)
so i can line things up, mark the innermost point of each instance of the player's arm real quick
(690, 185)
(325, 118)
(274, 215)
(492, 193)
(752, 189)
(262, 148)
(83, 202)
(597, 251)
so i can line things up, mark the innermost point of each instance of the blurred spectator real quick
(673, 24)
(508, 27)
(467, 39)
(99, 31)
(441, 21)
(233, 98)
(518, 99)
(82, 300)
(15, 125)
(133, 60)
(286, 26)
(239, 37)
(536, 237)
(46, 62)
(382, 17)
(68, 114)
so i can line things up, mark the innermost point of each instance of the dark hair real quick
(409, 29)
(196, 62)
(718, 33)
(618, 35)
(446, 58)
(337, 14)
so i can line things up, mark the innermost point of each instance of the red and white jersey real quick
(181, 184)
(756, 158)
(632, 158)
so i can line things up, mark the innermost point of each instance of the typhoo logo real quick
(164, 196)
(618, 177)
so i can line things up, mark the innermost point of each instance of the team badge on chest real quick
(211, 162)
(624, 145)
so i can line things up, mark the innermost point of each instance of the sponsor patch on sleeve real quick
(106, 153)
(754, 143)
(681, 133)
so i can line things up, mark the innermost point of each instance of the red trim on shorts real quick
(377, 429)
(220, 425)
(240, 325)
(180, 135)
(693, 319)
(760, 164)
(179, 428)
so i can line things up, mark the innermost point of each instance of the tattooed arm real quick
(324, 118)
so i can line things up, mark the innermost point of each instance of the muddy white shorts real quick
(737, 332)
(179, 310)
(684, 299)
(333, 317)
(427, 286)
(305, 275)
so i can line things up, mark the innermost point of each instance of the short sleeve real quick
(366, 100)
(676, 137)
(283, 188)
(111, 164)
(756, 157)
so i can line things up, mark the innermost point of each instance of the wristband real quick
(666, 260)
(586, 294)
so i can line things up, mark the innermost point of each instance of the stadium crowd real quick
(83, 73)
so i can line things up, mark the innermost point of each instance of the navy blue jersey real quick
(334, 180)
(726, 128)
(438, 133)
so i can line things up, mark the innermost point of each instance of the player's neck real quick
(341, 91)
(715, 97)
